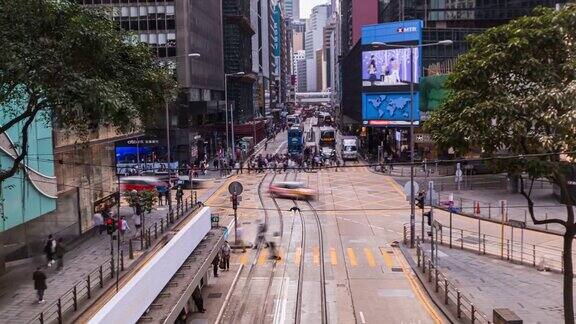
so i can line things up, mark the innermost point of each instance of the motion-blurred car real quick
(141, 183)
(291, 190)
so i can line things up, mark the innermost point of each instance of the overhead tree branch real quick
(531, 208)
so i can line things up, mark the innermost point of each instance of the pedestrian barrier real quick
(83, 290)
(451, 296)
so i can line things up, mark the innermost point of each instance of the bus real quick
(295, 140)
(327, 137)
(292, 120)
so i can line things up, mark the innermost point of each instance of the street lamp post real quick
(228, 140)
(412, 205)
(168, 146)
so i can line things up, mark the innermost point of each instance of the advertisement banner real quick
(389, 106)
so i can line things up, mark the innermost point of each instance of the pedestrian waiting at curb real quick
(60, 251)
(39, 278)
(225, 251)
(215, 264)
(50, 250)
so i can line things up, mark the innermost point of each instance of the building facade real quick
(355, 14)
(314, 41)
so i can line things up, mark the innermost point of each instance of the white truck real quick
(349, 147)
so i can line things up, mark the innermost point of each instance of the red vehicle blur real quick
(291, 190)
(141, 183)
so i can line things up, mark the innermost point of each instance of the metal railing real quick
(452, 296)
(84, 290)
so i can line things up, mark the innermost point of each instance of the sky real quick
(307, 5)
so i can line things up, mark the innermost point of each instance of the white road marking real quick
(280, 146)
(362, 318)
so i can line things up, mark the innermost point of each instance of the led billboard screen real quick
(391, 67)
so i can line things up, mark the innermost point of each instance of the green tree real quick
(514, 92)
(146, 198)
(73, 67)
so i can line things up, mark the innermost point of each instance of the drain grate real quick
(246, 223)
(215, 295)
(395, 269)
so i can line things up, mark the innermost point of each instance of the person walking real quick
(225, 251)
(215, 264)
(39, 278)
(198, 300)
(179, 197)
(60, 250)
(50, 250)
(98, 221)
(123, 226)
(160, 190)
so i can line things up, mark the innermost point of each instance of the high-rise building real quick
(355, 14)
(174, 29)
(238, 34)
(314, 41)
(260, 17)
(292, 9)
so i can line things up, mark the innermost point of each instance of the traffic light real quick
(110, 226)
(428, 215)
(420, 202)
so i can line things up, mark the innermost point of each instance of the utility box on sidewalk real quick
(505, 316)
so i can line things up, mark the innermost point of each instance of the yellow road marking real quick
(387, 259)
(316, 255)
(370, 257)
(262, 257)
(333, 258)
(244, 258)
(298, 255)
(396, 186)
(407, 270)
(352, 257)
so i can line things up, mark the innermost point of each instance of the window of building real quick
(134, 25)
(162, 52)
(133, 11)
(170, 24)
(125, 11)
(143, 11)
(161, 24)
(162, 39)
(171, 51)
(144, 38)
(170, 11)
(152, 39)
(160, 10)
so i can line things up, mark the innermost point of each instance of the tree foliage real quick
(515, 92)
(146, 198)
(73, 66)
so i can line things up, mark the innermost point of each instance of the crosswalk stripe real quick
(263, 256)
(370, 257)
(387, 259)
(333, 258)
(297, 255)
(316, 255)
(244, 258)
(352, 257)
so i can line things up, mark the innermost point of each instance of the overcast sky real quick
(307, 5)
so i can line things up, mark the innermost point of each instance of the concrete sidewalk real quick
(17, 296)
(535, 296)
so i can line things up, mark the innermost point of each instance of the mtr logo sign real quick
(406, 29)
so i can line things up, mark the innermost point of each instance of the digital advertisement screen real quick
(389, 67)
(389, 106)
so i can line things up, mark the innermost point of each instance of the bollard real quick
(59, 305)
(423, 262)
(75, 298)
(122, 260)
(534, 255)
(507, 249)
(418, 254)
(101, 277)
(88, 288)
(149, 239)
(484, 242)
(161, 225)
(489, 210)
(112, 267)
(546, 218)
(41, 318)
(155, 231)
(472, 313)
(142, 240)
(429, 271)
(445, 291)
(404, 232)
(111, 247)
(130, 250)
(436, 279)
(462, 239)
(186, 204)
(458, 304)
